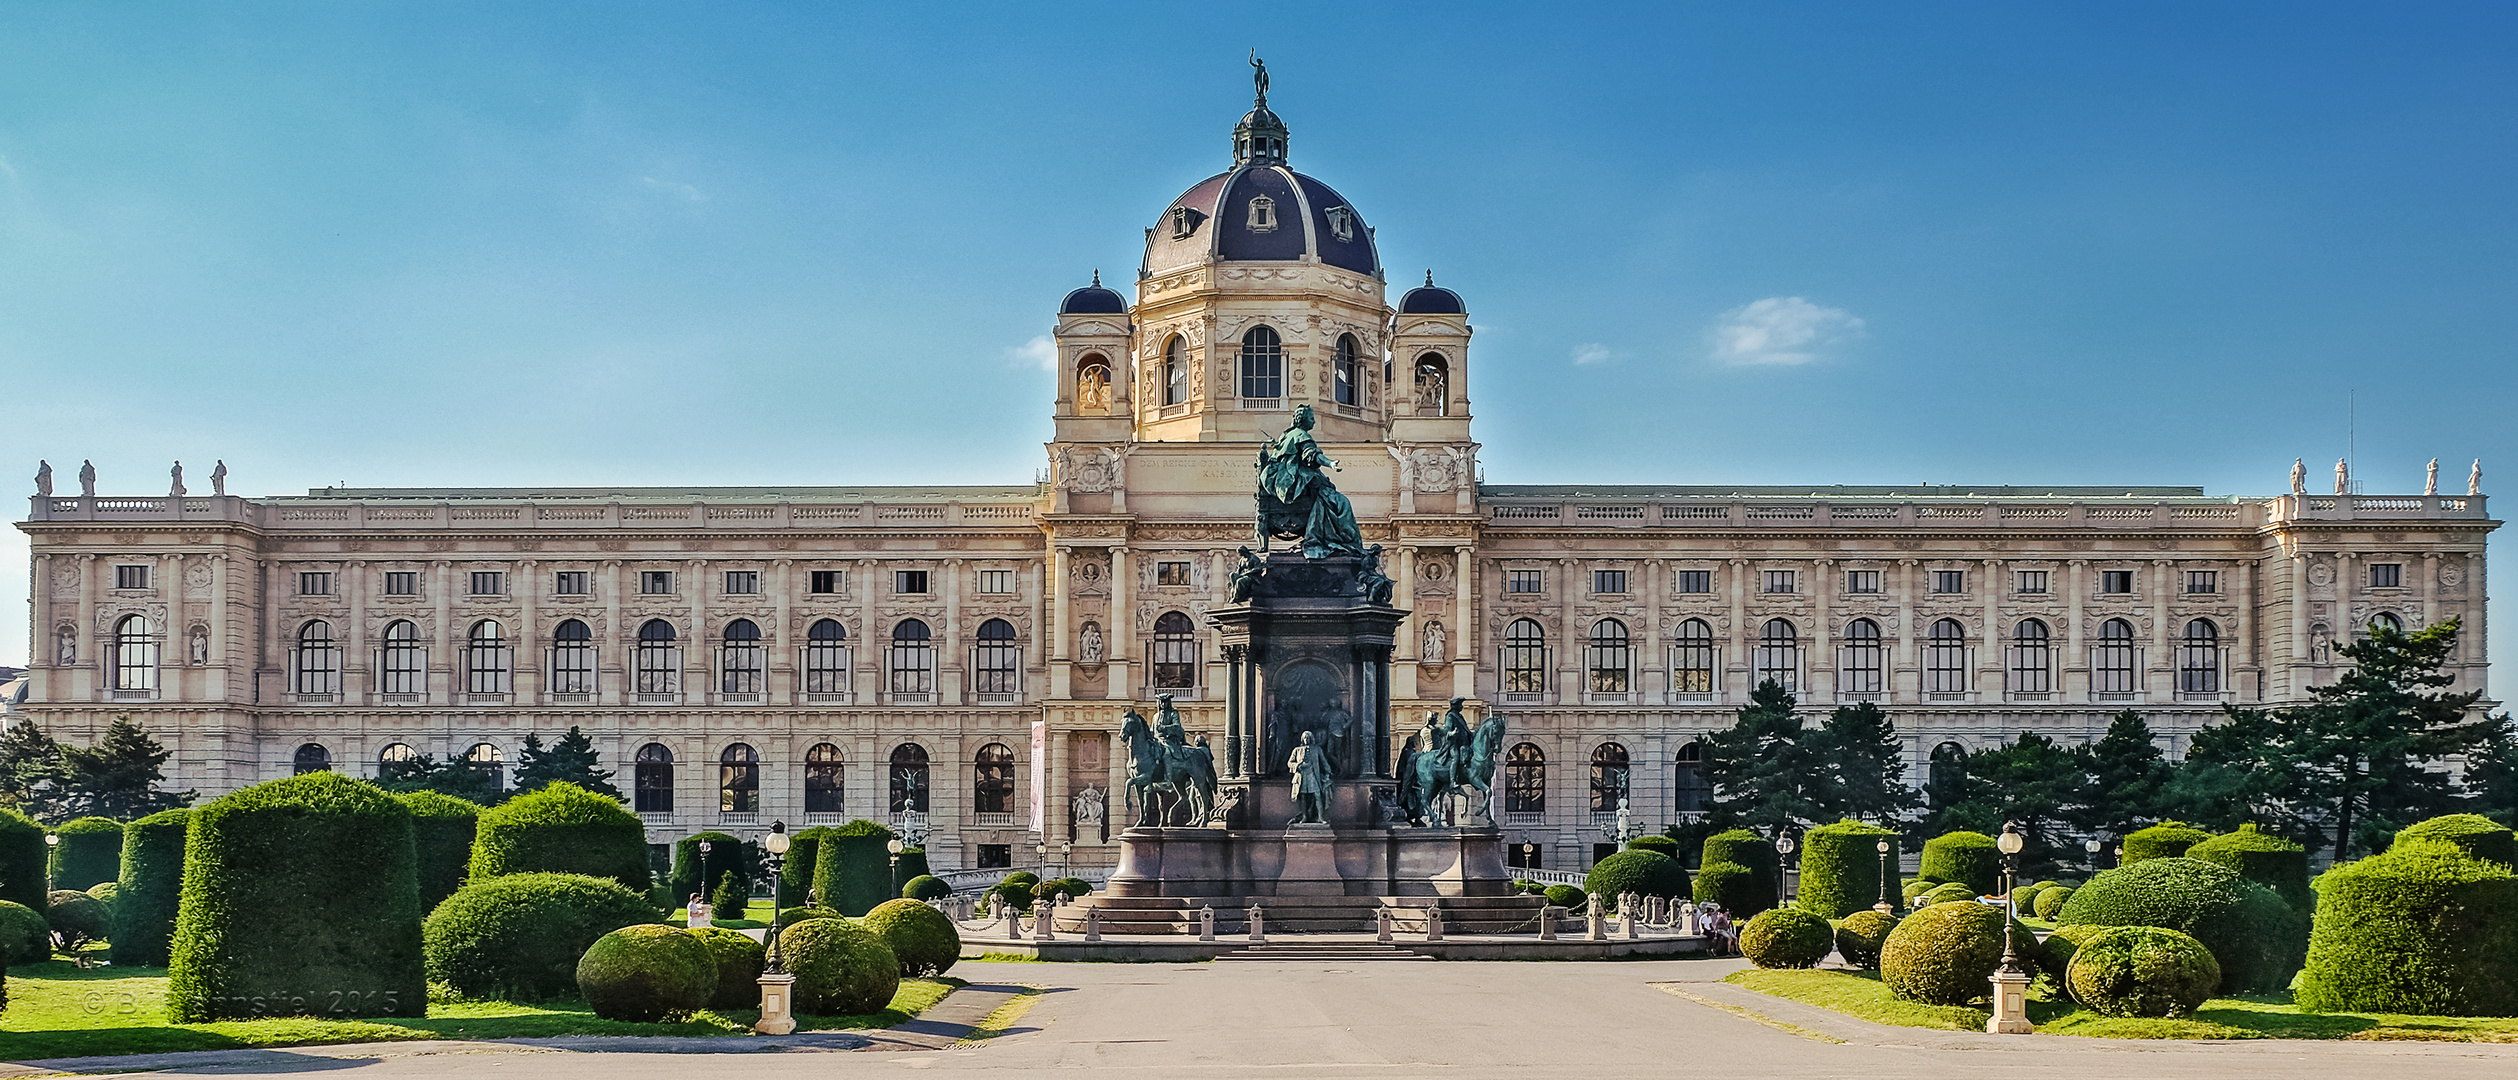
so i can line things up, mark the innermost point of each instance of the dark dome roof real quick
(1431, 300)
(1093, 300)
(1262, 213)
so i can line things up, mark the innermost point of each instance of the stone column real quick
(356, 665)
(1994, 677)
(613, 642)
(524, 663)
(223, 683)
(2246, 649)
(1121, 635)
(88, 650)
(1820, 659)
(437, 675)
(1058, 815)
(779, 682)
(1466, 644)
(1904, 664)
(1236, 709)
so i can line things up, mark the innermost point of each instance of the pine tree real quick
(2369, 749)
(453, 776)
(31, 771)
(1858, 768)
(2236, 772)
(2127, 775)
(2032, 781)
(118, 777)
(571, 760)
(1759, 769)
(2491, 780)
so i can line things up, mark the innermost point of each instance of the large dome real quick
(1260, 211)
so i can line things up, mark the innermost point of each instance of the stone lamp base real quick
(2010, 1005)
(778, 1005)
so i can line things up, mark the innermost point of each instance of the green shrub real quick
(740, 961)
(923, 938)
(926, 887)
(77, 917)
(729, 858)
(25, 938)
(1644, 873)
(841, 968)
(442, 828)
(152, 886)
(2142, 971)
(2059, 947)
(518, 937)
(1024, 877)
(646, 973)
(1667, 845)
(1745, 849)
(563, 829)
(795, 876)
(852, 868)
(912, 863)
(1861, 935)
(1786, 938)
(1914, 889)
(1739, 890)
(2166, 840)
(790, 916)
(90, 851)
(1944, 893)
(295, 889)
(1569, 897)
(22, 870)
(2024, 896)
(2480, 836)
(2257, 938)
(2422, 928)
(1075, 887)
(2263, 858)
(2050, 901)
(1840, 867)
(1944, 953)
(104, 892)
(1968, 858)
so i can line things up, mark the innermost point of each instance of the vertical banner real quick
(1040, 777)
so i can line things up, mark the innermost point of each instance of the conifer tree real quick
(2369, 749)
(1858, 768)
(30, 771)
(571, 760)
(118, 777)
(2491, 780)
(1759, 769)
(2127, 775)
(2032, 781)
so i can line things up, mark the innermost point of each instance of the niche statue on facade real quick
(1089, 645)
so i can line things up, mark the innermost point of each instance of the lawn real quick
(58, 1010)
(1860, 994)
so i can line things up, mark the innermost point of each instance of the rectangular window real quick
(2032, 581)
(2203, 581)
(655, 582)
(1696, 581)
(2115, 581)
(996, 581)
(131, 577)
(1862, 581)
(402, 583)
(1524, 581)
(570, 583)
(996, 856)
(909, 581)
(742, 582)
(1781, 581)
(827, 581)
(1608, 581)
(2385, 575)
(1949, 581)
(1171, 573)
(488, 583)
(314, 584)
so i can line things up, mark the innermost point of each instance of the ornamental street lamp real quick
(701, 897)
(1884, 907)
(2010, 983)
(2092, 845)
(1066, 857)
(777, 987)
(895, 846)
(776, 843)
(1783, 854)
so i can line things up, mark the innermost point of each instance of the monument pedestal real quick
(1310, 860)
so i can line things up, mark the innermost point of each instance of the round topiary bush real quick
(2480, 836)
(152, 886)
(2060, 945)
(841, 968)
(1841, 865)
(923, 938)
(1786, 938)
(104, 891)
(90, 851)
(2422, 928)
(790, 916)
(1011, 893)
(852, 868)
(442, 828)
(646, 973)
(2263, 858)
(294, 889)
(563, 829)
(740, 961)
(77, 917)
(25, 938)
(1666, 845)
(1968, 858)
(1737, 889)
(1861, 935)
(2258, 939)
(1644, 873)
(22, 865)
(1075, 887)
(1570, 897)
(518, 937)
(1944, 893)
(1944, 953)
(2050, 901)
(2166, 840)
(1914, 889)
(925, 887)
(2142, 971)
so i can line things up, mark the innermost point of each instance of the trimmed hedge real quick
(2051, 901)
(852, 869)
(912, 863)
(1569, 897)
(1949, 891)
(1737, 889)
(104, 890)
(1968, 858)
(77, 917)
(729, 856)
(2263, 858)
(563, 829)
(2061, 945)
(926, 887)
(795, 876)
(1786, 938)
(1666, 845)
(1748, 850)
(1914, 889)
(1840, 867)
(2422, 928)
(90, 851)
(790, 916)
(518, 937)
(2142, 971)
(1644, 873)
(2480, 836)
(22, 861)
(924, 939)
(296, 890)
(740, 961)
(1861, 935)
(2258, 939)
(2166, 840)
(442, 828)
(841, 968)
(152, 887)
(1944, 953)
(646, 973)
(25, 938)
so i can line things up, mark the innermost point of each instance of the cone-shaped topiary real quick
(2263, 858)
(151, 887)
(2480, 836)
(923, 938)
(25, 938)
(2258, 939)
(563, 829)
(1841, 865)
(518, 937)
(2142, 971)
(2166, 840)
(852, 868)
(2422, 928)
(1739, 890)
(441, 831)
(926, 887)
(646, 973)
(1968, 858)
(1944, 953)
(1643, 873)
(90, 851)
(1569, 897)
(1861, 935)
(22, 868)
(294, 890)
(1786, 938)
(740, 961)
(2051, 901)
(841, 968)
(77, 917)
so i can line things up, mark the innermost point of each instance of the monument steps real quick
(1284, 951)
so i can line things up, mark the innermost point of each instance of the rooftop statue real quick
(1296, 499)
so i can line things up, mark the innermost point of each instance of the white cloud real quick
(1594, 353)
(1040, 352)
(679, 190)
(1781, 330)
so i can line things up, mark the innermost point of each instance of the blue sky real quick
(438, 244)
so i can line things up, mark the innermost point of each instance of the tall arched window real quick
(1860, 664)
(406, 659)
(1692, 658)
(1608, 660)
(1525, 657)
(486, 760)
(909, 778)
(913, 659)
(1945, 658)
(822, 781)
(312, 757)
(651, 779)
(2199, 659)
(2387, 620)
(318, 659)
(396, 760)
(488, 664)
(1525, 779)
(1175, 371)
(998, 669)
(1092, 385)
(992, 780)
(2032, 658)
(659, 662)
(1433, 385)
(572, 658)
(826, 658)
(1692, 791)
(1175, 652)
(1348, 370)
(135, 654)
(1778, 657)
(1608, 777)
(1947, 782)
(1263, 364)
(2111, 660)
(741, 662)
(739, 780)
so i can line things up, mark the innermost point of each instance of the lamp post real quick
(2010, 984)
(1884, 907)
(895, 846)
(777, 987)
(1783, 853)
(2092, 845)
(703, 883)
(1066, 857)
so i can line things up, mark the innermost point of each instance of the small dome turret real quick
(1431, 299)
(1093, 299)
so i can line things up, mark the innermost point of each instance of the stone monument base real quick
(1310, 860)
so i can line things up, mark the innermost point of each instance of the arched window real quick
(1608, 778)
(1525, 779)
(913, 659)
(1945, 658)
(2387, 620)
(318, 659)
(1525, 657)
(1692, 658)
(485, 759)
(651, 779)
(1948, 779)
(2111, 660)
(572, 658)
(822, 788)
(1778, 658)
(741, 662)
(2199, 659)
(396, 761)
(135, 654)
(1608, 657)
(997, 668)
(1348, 370)
(992, 780)
(1175, 372)
(909, 778)
(488, 664)
(406, 659)
(1175, 652)
(659, 663)
(826, 658)
(1092, 385)
(2032, 658)
(1692, 790)
(1433, 385)
(739, 780)
(1263, 364)
(1859, 667)
(312, 757)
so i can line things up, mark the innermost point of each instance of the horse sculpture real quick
(1184, 773)
(1450, 759)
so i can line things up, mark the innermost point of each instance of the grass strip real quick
(1000, 1019)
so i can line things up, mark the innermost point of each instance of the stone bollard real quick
(1381, 925)
(1687, 918)
(1547, 922)
(1595, 926)
(1633, 910)
(1092, 924)
(1013, 923)
(1044, 921)
(1258, 923)
(1064, 900)
(1657, 911)
(1433, 922)
(1206, 923)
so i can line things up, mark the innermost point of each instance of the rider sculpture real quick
(1161, 762)
(1446, 758)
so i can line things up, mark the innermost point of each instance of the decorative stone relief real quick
(1091, 469)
